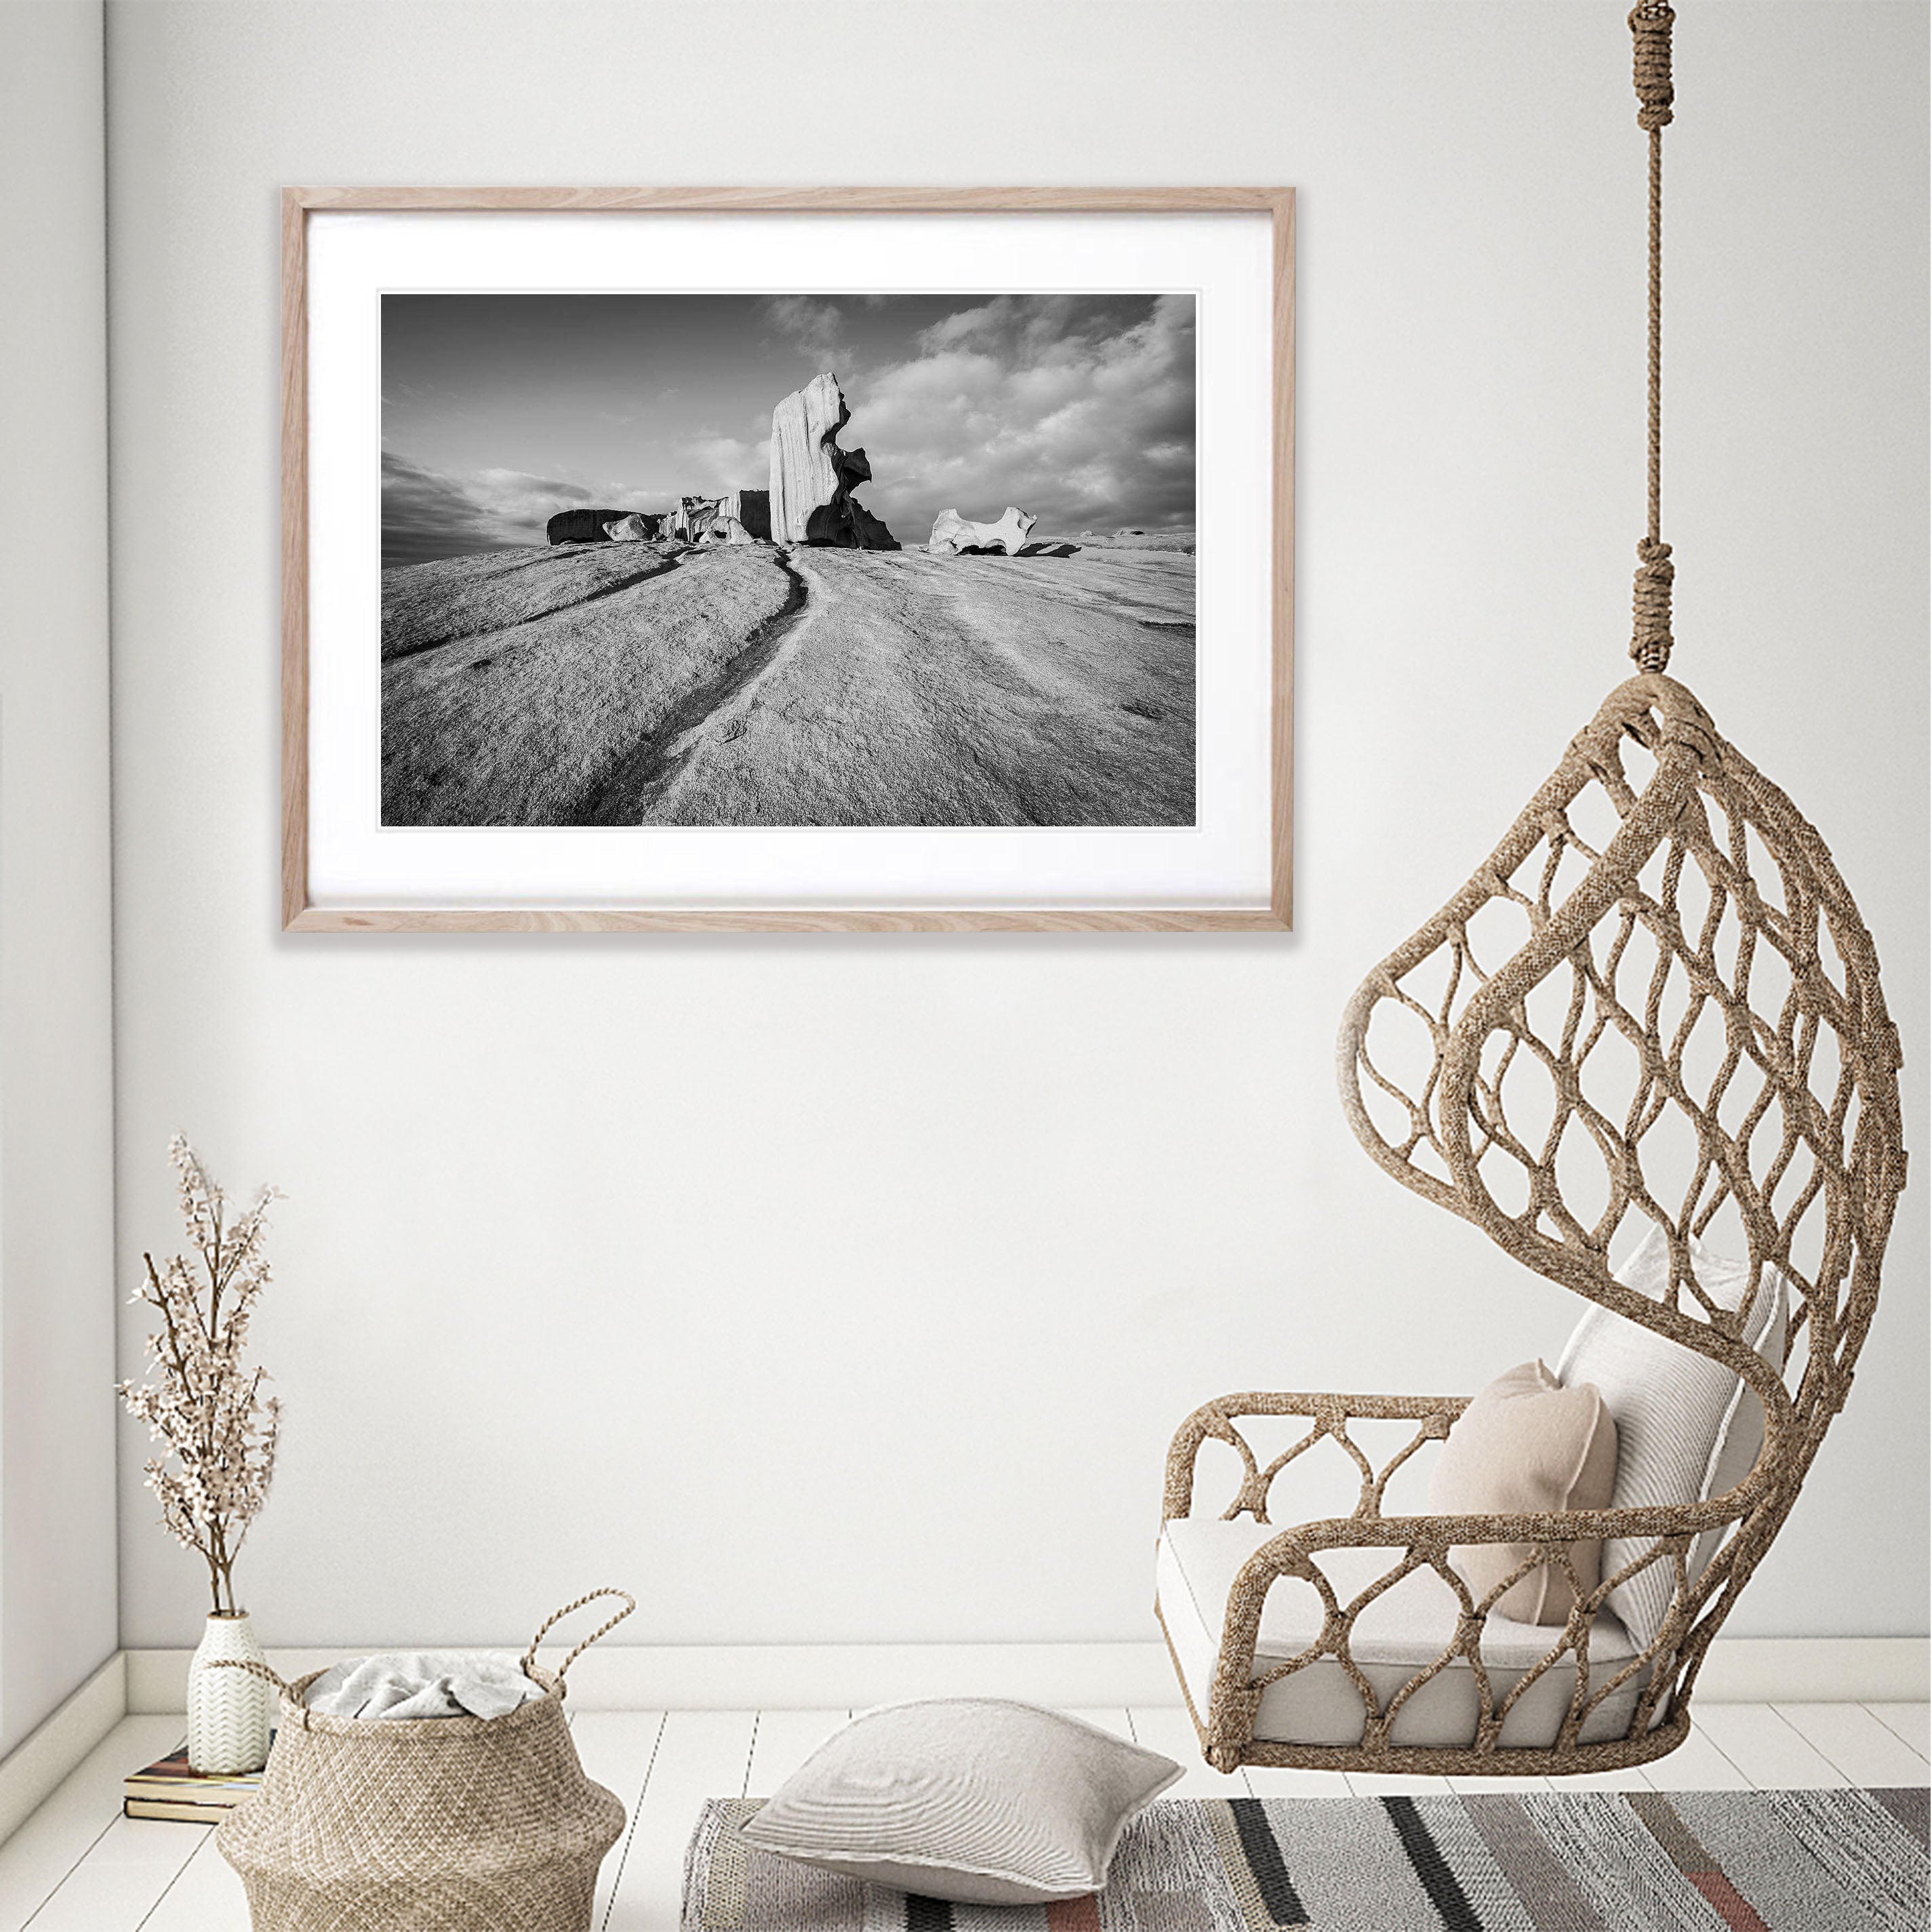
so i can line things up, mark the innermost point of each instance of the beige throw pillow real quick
(1527, 1445)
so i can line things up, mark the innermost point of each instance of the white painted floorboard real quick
(702, 1754)
(36, 1860)
(77, 1866)
(1766, 1749)
(1911, 1722)
(1855, 1743)
(1269, 1780)
(129, 1866)
(1637, 1778)
(617, 1749)
(1696, 1765)
(205, 1897)
(1398, 1784)
(1167, 1728)
(783, 1740)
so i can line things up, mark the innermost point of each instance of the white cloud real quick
(430, 513)
(516, 501)
(719, 463)
(816, 327)
(1055, 403)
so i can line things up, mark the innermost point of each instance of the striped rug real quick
(1565, 1861)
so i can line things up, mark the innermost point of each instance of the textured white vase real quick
(230, 1712)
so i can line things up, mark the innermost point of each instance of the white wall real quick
(849, 1287)
(57, 1504)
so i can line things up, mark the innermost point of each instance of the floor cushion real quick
(975, 1800)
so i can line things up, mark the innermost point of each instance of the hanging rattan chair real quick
(1703, 1001)
(1654, 1010)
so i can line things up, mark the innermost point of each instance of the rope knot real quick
(1651, 640)
(1650, 25)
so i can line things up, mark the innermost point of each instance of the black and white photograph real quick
(788, 559)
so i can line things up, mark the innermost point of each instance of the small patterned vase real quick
(230, 1712)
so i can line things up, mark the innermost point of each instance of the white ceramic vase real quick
(230, 1712)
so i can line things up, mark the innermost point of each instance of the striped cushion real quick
(1687, 1428)
(972, 1800)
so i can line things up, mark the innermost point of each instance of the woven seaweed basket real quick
(435, 1824)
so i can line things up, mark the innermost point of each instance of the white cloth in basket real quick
(422, 1684)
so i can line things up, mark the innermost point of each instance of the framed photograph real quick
(787, 559)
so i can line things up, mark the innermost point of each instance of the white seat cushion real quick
(1403, 1631)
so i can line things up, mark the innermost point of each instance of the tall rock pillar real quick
(813, 479)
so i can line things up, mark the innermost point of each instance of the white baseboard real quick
(768, 1677)
(41, 1763)
(1816, 1670)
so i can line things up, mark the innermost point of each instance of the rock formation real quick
(813, 479)
(810, 499)
(751, 509)
(640, 526)
(691, 520)
(869, 532)
(584, 526)
(952, 533)
(738, 517)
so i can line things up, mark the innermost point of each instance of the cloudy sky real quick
(499, 409)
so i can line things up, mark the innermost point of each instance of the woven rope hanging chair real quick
(1654, 1007)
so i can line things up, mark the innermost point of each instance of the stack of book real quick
(171, 1789)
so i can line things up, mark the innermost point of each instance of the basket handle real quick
(254, 1670)
(630, 1603)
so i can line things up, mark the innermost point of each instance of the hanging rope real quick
(1651, 641)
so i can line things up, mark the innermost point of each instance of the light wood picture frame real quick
(340, 834)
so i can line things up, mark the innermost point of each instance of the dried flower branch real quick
(220, 1430)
